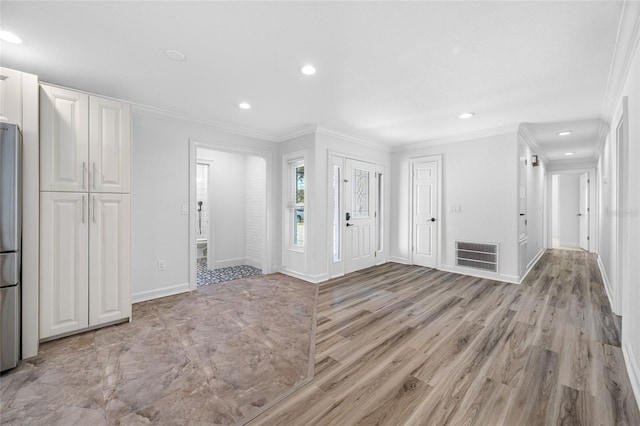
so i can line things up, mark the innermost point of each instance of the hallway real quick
(399, 344)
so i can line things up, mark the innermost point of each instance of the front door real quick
(425, 213)
(360, 215)
(583, 214)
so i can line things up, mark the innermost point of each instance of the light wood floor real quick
(404, 345)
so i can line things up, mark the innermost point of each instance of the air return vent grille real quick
(477, 256)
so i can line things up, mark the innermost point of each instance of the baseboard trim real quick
(159, 292)
(254, 263)
(607, 286)
(478, 274)
(531, 265)
(632, 370)
(561, 244)
(314, 279)
(218, 264)
(401, 260)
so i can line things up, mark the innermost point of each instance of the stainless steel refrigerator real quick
(10, 238)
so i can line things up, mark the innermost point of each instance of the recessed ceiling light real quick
(10, 37)
(466, 115)
(308, 70)
(175, 55)
(569, 153)
(564, 133)
(244, 105)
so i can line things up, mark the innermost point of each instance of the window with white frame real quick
(296, 203)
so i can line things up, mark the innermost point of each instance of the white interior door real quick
(583, 214)
(360, 215)
(425, 213)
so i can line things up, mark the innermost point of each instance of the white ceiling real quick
(388, 72)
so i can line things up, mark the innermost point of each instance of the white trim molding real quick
(159, 292)
(607, 286)
(633, 371)
(479, 274)
(313, 279)
(532, 264)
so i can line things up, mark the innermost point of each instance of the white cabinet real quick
(64, 140)
(85, 142)
(64, 263)
(109, 258)
(110, 145)
(85, 210)
(11, 96)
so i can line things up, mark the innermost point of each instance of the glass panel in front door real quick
(360, 198)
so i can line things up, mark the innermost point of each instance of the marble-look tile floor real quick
(219, 355)
(207, 276)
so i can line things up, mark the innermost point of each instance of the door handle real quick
(84, 175)
(579, 214)
(433, 219)
(349, 224)
(93, 177)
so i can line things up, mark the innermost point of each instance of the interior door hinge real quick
(375, 254)
(525, 222)
(375, 214)
(588, 238)
(525, 162)
(588, 180)
(413, 248)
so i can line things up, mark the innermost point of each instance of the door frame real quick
(267, 254)
(440, 210)
(593, 206)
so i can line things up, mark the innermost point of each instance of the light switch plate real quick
(185, 209)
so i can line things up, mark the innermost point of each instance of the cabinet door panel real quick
(109, 265)
(64, 275)
(64, 140)
(110, 138)
(11, 96)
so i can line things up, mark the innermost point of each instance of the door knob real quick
(348, 216)
(433, 219)
(579, 214)
(349, 224)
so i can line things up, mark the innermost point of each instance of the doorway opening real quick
(228, 215)
(571, 211)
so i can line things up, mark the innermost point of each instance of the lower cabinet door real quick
(109, 258)
(64, 275)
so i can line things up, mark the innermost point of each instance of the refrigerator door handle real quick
(84, 175)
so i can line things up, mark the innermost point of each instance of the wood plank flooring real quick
(404, 345)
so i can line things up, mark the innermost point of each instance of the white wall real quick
(619, 219)
(480, 175)
(568, 207)
(160, 187)
(255, 204)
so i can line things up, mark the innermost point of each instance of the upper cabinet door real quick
(110, 150)
(11, 96)
(64, 140)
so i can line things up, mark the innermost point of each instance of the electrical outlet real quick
(162, 265)
(185, 209)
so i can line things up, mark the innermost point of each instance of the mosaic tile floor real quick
(216, 356)
(208, 276)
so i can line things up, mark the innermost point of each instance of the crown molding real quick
(478, 134)
(298, 133)
(226, 127)
(526, 134)
(627, 41)
(347, 138)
